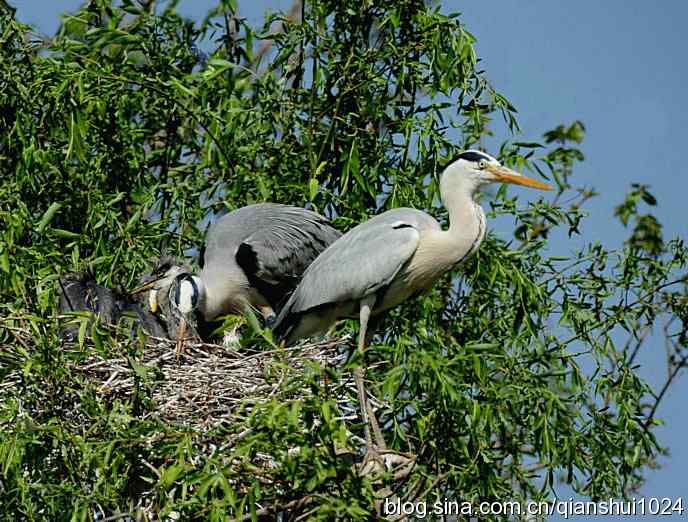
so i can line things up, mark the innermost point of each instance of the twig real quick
(294, 504)
(677, 368)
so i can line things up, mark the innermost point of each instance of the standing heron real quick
(391, 257)
(254, 257)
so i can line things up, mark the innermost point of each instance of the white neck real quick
(465, 215)
(441, 250)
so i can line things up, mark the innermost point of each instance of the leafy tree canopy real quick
(131, 128)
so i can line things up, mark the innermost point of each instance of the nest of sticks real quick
(205, 387)
(204, 384)
(200, 387)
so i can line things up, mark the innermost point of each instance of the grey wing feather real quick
(294, 239)
(364, 260)
(270, 241)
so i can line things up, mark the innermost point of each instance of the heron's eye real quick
(482, 164)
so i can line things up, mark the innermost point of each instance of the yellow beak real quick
(143, 287)
(152, 295)
(506, 175)
(153, 300)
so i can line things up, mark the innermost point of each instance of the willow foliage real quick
(130, 129)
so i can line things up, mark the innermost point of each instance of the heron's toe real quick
(270, 320)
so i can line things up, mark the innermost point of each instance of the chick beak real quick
(145, 286)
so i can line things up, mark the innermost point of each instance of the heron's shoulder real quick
(392, 235)
(404, 216)
(362, 261)
(230, 230)
(263, 218)
(262, 211)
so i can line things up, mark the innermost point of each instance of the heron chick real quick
(391, 257)
(79, 292)
(165, 269)
(254, 258)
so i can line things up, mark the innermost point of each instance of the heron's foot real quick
(377, 462)
(372, 464)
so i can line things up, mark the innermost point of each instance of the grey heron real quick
(391, 257)
(254, 256)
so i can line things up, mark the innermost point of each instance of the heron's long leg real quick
(367, 413)
(358, 377)
(377, 433)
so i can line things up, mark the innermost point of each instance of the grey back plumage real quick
(272, 244)
(363, 262)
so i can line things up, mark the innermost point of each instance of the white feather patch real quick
(186, 297)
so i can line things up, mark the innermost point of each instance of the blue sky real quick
(618, 66)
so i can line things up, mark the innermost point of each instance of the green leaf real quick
(141, 370)
(133, 220)
(76, 137)
(83, 325)
(5, 260)
(48, 216)
(171, 473)
(177, 84)
(66, 234)
(312, 189)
